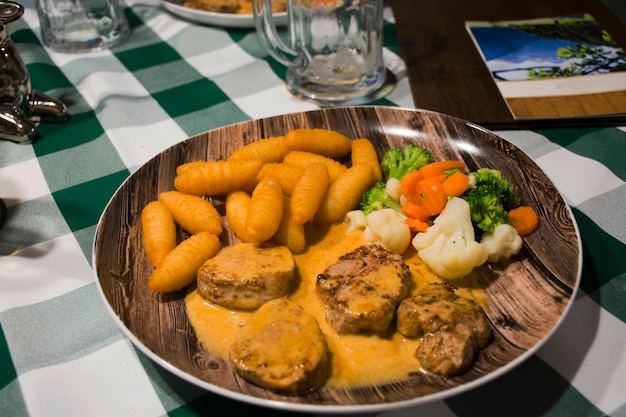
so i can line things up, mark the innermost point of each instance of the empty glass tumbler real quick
(82, 25)
(335, 50)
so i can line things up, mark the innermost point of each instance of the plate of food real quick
(269, 261)
(225, 13)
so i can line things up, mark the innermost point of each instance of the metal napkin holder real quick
(21, 107)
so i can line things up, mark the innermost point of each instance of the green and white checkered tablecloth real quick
(60, 352)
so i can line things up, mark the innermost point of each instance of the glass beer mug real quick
(335, 54)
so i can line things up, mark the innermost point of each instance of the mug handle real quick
(268, 34)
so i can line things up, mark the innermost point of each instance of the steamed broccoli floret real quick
(376, 198)
(397, 162)
(449, 172)
(490, 200)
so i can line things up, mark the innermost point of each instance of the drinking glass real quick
(82, 25)
(335, 51)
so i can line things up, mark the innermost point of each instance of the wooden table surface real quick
(446, 72)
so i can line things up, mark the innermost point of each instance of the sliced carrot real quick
(456, 184)
(408, 185)
(414, 211)
(431, 196)
(439, 167)
(425, 190)
(439, 178)
(524, 219)
(416, 225)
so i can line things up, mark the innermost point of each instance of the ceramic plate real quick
(231, 20)
(528, 297)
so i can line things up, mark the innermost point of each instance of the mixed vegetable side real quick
(456, 219)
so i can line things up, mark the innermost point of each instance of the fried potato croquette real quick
(286, 174)
(265, 211)
(290, 233)
(308, 192)
(266, 150)
(237, 205)
(184, 167)
(345, 193)
(304, 159)
(179, 268)
(218, 177)
(159, 231)
(320, 141)
(363, 152)
(192, 213)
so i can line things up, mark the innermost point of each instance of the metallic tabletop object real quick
(21, 108)
(3, 213)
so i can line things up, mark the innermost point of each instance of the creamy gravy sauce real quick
(358, 360)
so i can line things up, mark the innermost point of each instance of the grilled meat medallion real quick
(281, 347)
(454, 328)
(245, 276)
(362, 290)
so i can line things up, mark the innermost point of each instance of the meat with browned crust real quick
(281, 347)
(446, 352)
(362, 290)
(454, 328)
(245, 276)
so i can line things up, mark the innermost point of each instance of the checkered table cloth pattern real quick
(60, 352)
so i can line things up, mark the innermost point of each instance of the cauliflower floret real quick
(449, 247)
(389, 229)
(392, 187)
(355, 220)
(503, 243)
(472, 181)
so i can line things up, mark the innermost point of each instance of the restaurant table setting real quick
(112, 122)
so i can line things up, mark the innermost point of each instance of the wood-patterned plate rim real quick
(544, 276)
